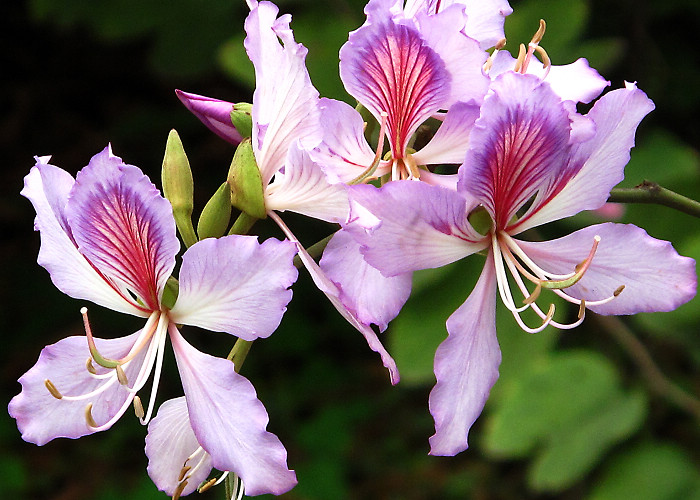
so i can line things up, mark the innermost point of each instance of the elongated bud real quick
(217, 115)
(216, 214)
(178, 186)
(245, 181)
(242, 118)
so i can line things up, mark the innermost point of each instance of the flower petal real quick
(169, 444)
(124, 227)
(655, 277)
(236, 285)
(518, 146)
(48, 187)
(466, 366)
(285, 103)
(600, 161)
(411, 226)
(230, 422)
(214, 113)
(304, 188)
(333, 293)
(363, 289)
(449, 145)
(389, 68)
(42, 417)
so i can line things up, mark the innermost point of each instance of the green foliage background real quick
(573, 415)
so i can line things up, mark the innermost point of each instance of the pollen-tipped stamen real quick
(207, 485)
(178, 491)
(88, 417)
(378, 155)
(138, 407)
(52, 389)
(99, 359)
(121, 376)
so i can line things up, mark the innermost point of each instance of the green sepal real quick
(245, 181)
(242, 118)
(178, 187)
(170, 292)
(216, 214)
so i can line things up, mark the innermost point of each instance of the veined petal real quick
(48, 187)
(576, 82)
(466, 366)
(363, 289)
(236, 285)
(599, 162)
(389, 68)
(285, 103)
(214, 113)
(343, 153)
(518, 146)
(230, 422)
(169, 445)
(42, 417)
(305, 189)
(333, 293)
(655, 277)
(449, 145)
(124, 227)
(415, 226)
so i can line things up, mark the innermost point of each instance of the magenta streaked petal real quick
(449, 145)
(41, 417)
(576, 82)
(466, 366)
(214, 113)
(374, 298)
(236, 285)
(333, 293)
(304, 188)
(462, 56)
(600, 161)
(344, 153)
(285, 103)
(123, 226)
(48, 187)
(389, 68)
(169, 444)
(405, 226)
(518, 146)
(655, 277)
(230, 422)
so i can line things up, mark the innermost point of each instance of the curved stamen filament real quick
(163, 326)
(378, 156)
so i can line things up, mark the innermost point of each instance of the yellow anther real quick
(184, 472)
(520, 61)
(90, 367)
(207, 485)
(121, 376)
(138, 407)
(582, 309)
(618, 291)
(52, 389)
(88, 416)
(178, 491)
(539, 34)
(534, 295)
(546, 61)
(500, 44)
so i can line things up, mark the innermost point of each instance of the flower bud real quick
(217, 115)
(247, 192)
(216, 214)
(178, 186)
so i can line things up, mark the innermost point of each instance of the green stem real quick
(651, 192)
(243, 224)
(239, 352)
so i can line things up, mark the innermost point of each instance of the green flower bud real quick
(178, 187)
(242, 118)
(216, 215)
(247, 192)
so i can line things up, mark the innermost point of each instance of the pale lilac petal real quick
(285, 103)
(518, 146)
(48, 187)
(414, 226)
(169, 444)
(466, 366)
(230, 422)
(344, 153)
(374, 297)
(600, 161)
(333, 293)
(41, 417)
(462, 56)
(123, 226)
(655, 277)
(389, 68)
(449, 145)
(236, 285)
(576, 82)
(304, 188)
(214, 113)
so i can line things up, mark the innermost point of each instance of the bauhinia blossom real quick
(108, 236)
(525, 166)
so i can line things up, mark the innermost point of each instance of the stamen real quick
(178, 491)
(534, 295)
(489, 62)
(378, 155)
(520, 61)
(106, 362)
(539, 34)
(121, 376)
(88, 416)
(582, 309)
(183, 472)
(618, 291)
(52, 389)
(90, 367)
(412, 166)
(546, 61)
(207, 485)
(138, 407)
(580, 269)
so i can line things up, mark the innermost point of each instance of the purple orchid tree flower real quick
(525, 166)
(109, 237)
(214, 113)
